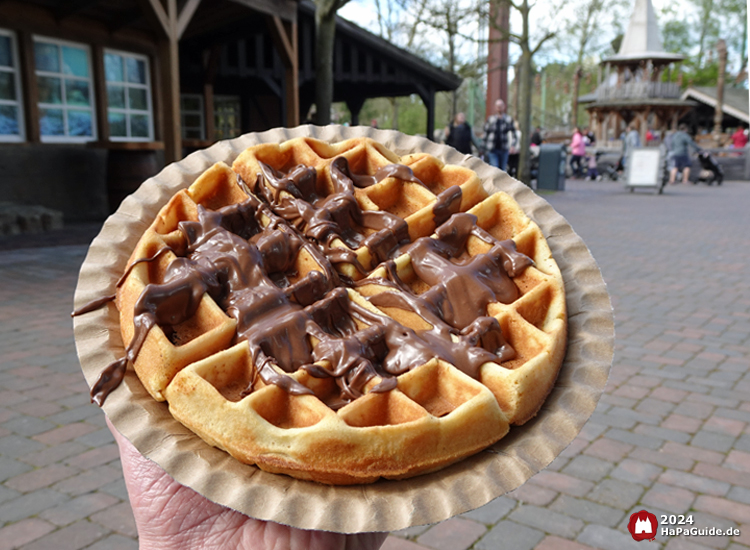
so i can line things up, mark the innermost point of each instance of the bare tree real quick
(448, 17)
(325, 35)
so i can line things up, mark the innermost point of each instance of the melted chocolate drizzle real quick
(310, 323)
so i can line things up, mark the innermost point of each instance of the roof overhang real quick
(711, 102)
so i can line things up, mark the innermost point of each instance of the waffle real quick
(336, 313)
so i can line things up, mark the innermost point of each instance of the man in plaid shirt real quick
(498, 133)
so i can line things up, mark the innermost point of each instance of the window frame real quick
(18, 102)
(127, 111)
(64, 106)
(201, 112)
(223, 97)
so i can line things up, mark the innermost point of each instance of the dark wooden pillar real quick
(171, 25)
(355, 106)
(29, 86)
(285, 39)
(427, 94)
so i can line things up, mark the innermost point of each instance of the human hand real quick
(171, 516)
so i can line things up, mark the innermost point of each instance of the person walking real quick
(460, 136)
(514, 152)
(680, 146)
(578, 152)
(631, 140)
(497, 130)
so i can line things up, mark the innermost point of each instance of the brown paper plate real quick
(384, 505)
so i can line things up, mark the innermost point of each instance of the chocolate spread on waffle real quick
(243, 257)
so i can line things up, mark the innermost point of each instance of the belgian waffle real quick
(338, 248)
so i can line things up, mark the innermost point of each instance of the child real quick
(593, 173)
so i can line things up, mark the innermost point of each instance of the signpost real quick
(645, 169)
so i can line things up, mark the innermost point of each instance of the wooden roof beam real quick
(68, 9)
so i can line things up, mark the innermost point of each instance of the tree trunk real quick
(325, 33)
(576, 88)
(721, 47)
(524, 118)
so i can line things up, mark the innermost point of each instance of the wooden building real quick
(96, 95)
(632, 89)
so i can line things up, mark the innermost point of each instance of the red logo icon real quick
(643, 526)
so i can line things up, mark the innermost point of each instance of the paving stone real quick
(636, 471)
(533, 494)
(738, 460)
(682, 423)
(695, 483)
(739, 494)
(75, 414)
(713, 441)
(10, 468)
(6, 494)
(94, 457)
(547, 520)
(608, 449)
(562, 483)
(669, 498)
(588, 511)
(13, 446)
(723, 508)
(97, 439)
(695, 453)
(53, 454)
(411, 532)
(30, 504)
(64, 433)
(27, 426)
(116, 488)
(491, 512)
(453, 534)
(395, 543)
(41, 477)
(607, 538)
(706, 521)
(556, 543)
(90, 480)
(662, 433)
(614, 421)
(116, 542)
(587, 467)
(634, 439)
(508, 534)
(616, 493)
(73, 537)
(591, 431)
(722, 474)
(119, 518)
(725, 426)
(22, 532)
(78, 508)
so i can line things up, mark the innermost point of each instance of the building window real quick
(66, 98)
(129, 108)
(11, 108)
(191, 113)
(227, 117)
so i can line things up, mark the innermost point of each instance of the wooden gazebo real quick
(632, 87)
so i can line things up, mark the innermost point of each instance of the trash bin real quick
(551, 167)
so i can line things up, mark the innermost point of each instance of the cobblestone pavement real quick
(671, 434)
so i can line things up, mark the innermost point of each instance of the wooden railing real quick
(639, 90)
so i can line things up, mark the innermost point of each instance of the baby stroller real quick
(605, 168)
(710, 170)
